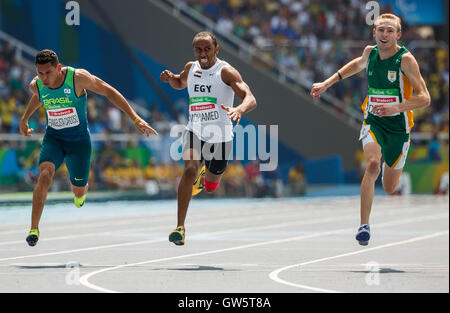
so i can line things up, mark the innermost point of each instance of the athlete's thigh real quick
(372, 151)
(371, 133)
(190, 161)
(51, 151)
(78, 161)
(216, 162)
(192, 147)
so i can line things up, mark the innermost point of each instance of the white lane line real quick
(234, 230)
(84, 280)
(201, 222)
(282, 207)
(207, 221)
(275, 274)
(195, 214)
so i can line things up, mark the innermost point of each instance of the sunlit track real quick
(236, 240)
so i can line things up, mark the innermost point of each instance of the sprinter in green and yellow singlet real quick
(393, 75)
(62, 93)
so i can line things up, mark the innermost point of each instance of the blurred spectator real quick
(109, 174)
(29, 173)
(235, 182)
(254, 177)
(272, 184)
(296, 180)
(434, 149)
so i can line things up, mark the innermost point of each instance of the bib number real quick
(63, 118)
(203, 110)
(386, 97)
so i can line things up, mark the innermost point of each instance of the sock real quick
(210, 187)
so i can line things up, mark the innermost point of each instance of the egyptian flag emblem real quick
(198, 74)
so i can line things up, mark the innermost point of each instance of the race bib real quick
(63, 118)
(382, 96)
(203, 110)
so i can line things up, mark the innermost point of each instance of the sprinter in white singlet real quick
(212, 84)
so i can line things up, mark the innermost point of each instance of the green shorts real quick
(394, 146)
(77, 155)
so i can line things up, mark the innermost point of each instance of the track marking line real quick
(84, 280)
(234, 230)
(275, 274)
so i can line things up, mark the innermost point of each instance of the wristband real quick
(340, 76)
(136, 120)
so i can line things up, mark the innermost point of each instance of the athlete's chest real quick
(205, 82)
(62, 97)
(383, 75)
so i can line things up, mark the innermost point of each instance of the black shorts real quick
(215, 155)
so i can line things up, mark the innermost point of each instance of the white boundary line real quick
(84, 280)
(234, 230)
(274, 275)
(124, 220)
(201, 221)
(149, 227)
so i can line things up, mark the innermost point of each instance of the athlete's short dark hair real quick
(47, 56)
(206, 34)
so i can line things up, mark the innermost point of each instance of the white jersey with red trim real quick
(207, 120)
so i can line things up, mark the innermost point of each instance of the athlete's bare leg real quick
(372, 155)
(80, 191)
(391, 178)
(47, 171)
(191, 166)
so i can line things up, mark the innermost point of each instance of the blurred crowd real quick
(306, 39)
(311, 40)
(111, 170)
(121, 165)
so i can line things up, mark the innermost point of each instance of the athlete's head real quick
(387, 31)
(205, 49)
(48, 67)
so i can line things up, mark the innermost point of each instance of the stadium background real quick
(280, 48)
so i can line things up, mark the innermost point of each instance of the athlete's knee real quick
(46, 175)
(210, 186)
(191, 171)
(373, 166)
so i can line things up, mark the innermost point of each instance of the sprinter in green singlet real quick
(62, 93)
(393, 74)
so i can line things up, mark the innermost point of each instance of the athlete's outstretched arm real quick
(233, 78)
(85, 80)
(420, 99)
(351, 68)
(32, 106)
(177, 81)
